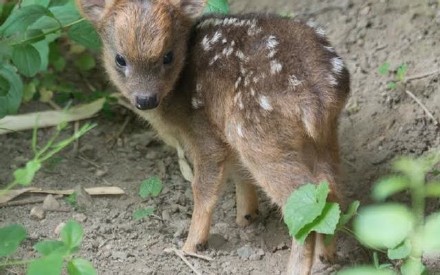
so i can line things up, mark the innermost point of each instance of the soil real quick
(377, 126)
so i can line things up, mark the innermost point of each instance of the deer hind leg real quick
(246, 197)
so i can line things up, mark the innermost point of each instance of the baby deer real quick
(252, 97)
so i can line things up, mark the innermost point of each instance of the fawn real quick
(252, 97)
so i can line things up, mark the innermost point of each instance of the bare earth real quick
(377, 126)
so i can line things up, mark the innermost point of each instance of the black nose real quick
(146, 102)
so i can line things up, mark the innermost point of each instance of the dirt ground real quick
(377, 126)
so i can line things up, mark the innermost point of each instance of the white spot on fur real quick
(330, 49)
(224, 41)
(216, 37)
(208, 42)
(240, 131)
(237, 83)
(209, 22)
(318, 29)
(214, 59)
(271, 44)
(196, 103)
(240, 55)
(332, 80)
(265, 104)
(337, 65)
(252, 92)
(294, 81)
(275, 67)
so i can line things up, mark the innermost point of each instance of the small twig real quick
(181, 255)
(121, 130)
(423, 75)
(349, 163)
(195, 255)
(428, 113)
(29, 201)
(89, 161)
(54, 105)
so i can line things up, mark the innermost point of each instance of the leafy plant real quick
(398, 74)
(403, 231)
(150, 187)
(30, 44)
(53, 253)
(307, 210)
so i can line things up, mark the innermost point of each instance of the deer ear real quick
(93, 10)
(191, 8)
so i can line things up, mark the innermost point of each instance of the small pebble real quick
(50, 203)
(37, 213)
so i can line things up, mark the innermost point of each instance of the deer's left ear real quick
(191, 8)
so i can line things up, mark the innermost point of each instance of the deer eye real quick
(168, 58)
(120, 61)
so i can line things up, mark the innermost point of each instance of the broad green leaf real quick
(217, 6)
(366, 270)
(45, 23)
(10, 238)
(49, 265)
(80, 267)
(351, 211)
(11, 90)
(150, 187)
(433, 189)
(325, 223)
(48, 247)
(304, 206)
(43, 50)
(53, 3)
(24, 176)
(383, 226)
(412, 266)
(414, 169)
(66, 14)
(27, 59)
(142, 213)
(72, 235)
(431, 234)
(84, 33)
(389, 186)
(43, 3)
(384, 68)
(85, 62)
(21, 18)
(401, 251)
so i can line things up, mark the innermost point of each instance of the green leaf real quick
(48, 247)
(57, 2)
(85, 62)
(84, 33)
(366, 270)
(24, 176)
(217, 6)
(66, 14)
(401, 251)
(80, 267)
(11, 90)
(431, 234)
(384, 68)
(351, 211)
(383, 226)
(392, 85)
(21, 18)
(412, 266)
(150, 187)
(10, 238)
(43, 50)
(142, 213)
(414, 169)
(433, 189)
(304, 206)
(401, 72)
(27, 59)
(49, 265)
(72, 235)
(389, 186)
(325, 223)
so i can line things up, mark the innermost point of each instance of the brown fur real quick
(255, 97)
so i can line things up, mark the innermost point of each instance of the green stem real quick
(48, 32)
(9, 187)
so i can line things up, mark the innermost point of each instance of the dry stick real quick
(428, 113)
(30, 201)
(121, 130)
(206, 258)
(423, 75)
(182, 256)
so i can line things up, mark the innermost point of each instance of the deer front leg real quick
(206, 187)
(301, 256)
